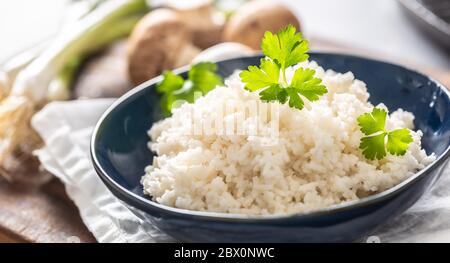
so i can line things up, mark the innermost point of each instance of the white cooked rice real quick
(315, 164)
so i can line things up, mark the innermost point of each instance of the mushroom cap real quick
(205, 23)
(155, 44)
(254, 18)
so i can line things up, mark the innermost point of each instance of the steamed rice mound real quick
(315, 163)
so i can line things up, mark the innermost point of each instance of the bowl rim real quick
(144, 203)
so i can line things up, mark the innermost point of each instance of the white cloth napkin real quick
(66, 128)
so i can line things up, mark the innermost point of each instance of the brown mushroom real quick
(160, 41)
(205, 23)
(250, 22)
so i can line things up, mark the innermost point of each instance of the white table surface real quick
(377, 25)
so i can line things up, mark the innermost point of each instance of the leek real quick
(107, 22)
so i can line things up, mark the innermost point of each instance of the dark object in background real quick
(105, 75)
(120, 154)
(432, 16)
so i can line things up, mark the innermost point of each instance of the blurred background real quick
(381, 26)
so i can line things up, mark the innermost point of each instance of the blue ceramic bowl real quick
(120, 154)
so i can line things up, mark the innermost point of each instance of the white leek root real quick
(4, 85)
(15, 115)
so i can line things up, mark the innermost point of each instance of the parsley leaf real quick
(256, 78)
(307, 85)
(374, 145)
(202, 78)
(284, 49)
(398, 141)
(294, 99)
(372, 122)
(271, 93)
(170, 82)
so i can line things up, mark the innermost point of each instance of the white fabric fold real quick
(66, 128)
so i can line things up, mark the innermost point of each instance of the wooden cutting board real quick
(45, 213)
(39, 214)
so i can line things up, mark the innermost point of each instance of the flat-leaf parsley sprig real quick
(202, 78)
(374, 144)
(282, 50)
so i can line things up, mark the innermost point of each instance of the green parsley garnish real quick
(374, 145)
(282, 50)
(202, 78)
